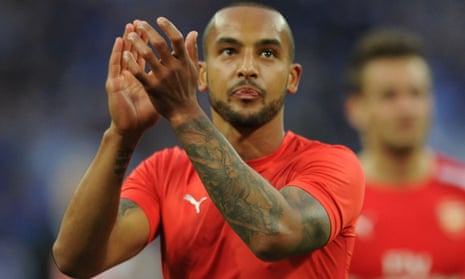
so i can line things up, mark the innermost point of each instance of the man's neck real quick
(394, 167)
(253, 143)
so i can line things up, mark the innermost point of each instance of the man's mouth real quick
(246, 93)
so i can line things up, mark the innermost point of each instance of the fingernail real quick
(141, 25)
(132, 36)
(126, 56)
(161, 20)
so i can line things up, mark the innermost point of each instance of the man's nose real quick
(407, 100)
(247, 67)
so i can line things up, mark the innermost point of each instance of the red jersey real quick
(413, 231)
(196, 241)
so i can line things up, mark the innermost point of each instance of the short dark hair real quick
(381, 43)
(257, 4)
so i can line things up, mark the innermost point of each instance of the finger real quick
(139, 59)
(156, 40)
(134, 68)
(128, 29)
(144, 51)
(174, 35)
(191, 46)
(128, 45)
(114, 64)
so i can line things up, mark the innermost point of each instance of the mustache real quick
(246, 83)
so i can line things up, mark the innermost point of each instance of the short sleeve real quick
(334, 176)
(139, 187)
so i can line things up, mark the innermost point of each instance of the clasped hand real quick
(136, 97)
(172, 80)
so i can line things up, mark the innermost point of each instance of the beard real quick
(241, 119)
(403, 148)
(400, 150)
(401, 144)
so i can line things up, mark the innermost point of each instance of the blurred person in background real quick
(413, 219)
(244, 198)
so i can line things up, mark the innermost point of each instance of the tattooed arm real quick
(273, 224)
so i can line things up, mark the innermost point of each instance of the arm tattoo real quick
(314, 219)
(122, 162)
(125, 205)
(239, 193)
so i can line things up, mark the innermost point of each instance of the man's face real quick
(248, 68)
(396, 102)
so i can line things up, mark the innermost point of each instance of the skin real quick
(395, 95)
(255, 56)
(247, 72)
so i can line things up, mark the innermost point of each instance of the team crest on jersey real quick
(451, 216)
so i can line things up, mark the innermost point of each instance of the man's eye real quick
(388, 94)
(267, 53)
(228, 51)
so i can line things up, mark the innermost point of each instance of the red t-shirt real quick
(415, 231)
(197, 242)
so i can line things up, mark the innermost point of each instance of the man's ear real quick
(202, 84)
(354, 110)
(295, 73)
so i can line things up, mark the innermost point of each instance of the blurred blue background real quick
(53, 62)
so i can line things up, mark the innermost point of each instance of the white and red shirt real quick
(413, 230)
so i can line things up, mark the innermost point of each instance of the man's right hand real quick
(97, 231)
(130, 107)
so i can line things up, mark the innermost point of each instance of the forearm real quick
(91, 214)
(248, 202)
